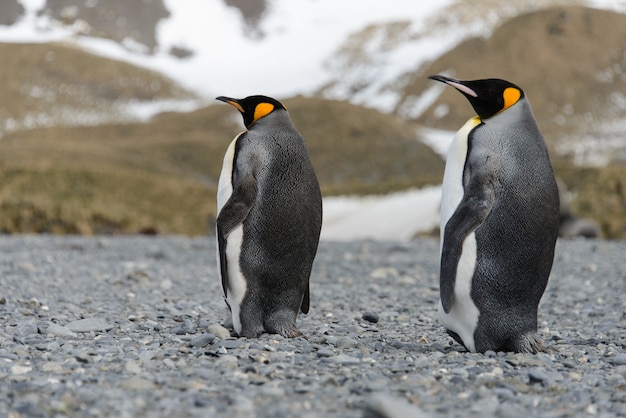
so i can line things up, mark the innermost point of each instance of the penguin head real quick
(253, 108)
(488, 97)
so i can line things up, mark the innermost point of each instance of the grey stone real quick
(618, 359)
(346, 342)
(219, 331)
(132, 367)
(60, 331)
(138, 384)
(202, 340)
(89, 325)
(537, 376)
(385, 406)
(82, 356)
(186, 327)
(346, 360)
(325, 352)
(228, 360)
(20, 369)
(231, 344)
(370, 317)
(26, 328)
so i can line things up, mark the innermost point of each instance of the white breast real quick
(452, 188)
(463, 317)
(225, 185)
(236, 280)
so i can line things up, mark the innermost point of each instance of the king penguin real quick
(269, 218)
(499, 222)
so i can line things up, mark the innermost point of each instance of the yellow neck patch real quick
(262, 109)
(511, 95)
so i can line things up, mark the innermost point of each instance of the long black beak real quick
(457, 84)
(232, 102)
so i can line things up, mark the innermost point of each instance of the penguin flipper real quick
(304, 307)
(234, 212)
(221, 246)
(469, 215)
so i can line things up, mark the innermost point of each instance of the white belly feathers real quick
(463, 317)
(236, 280)
(225, 186)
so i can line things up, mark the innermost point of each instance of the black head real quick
(488, 97)
(253, 108)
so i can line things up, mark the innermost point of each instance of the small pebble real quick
(138, 384)
(26, 328)
(228, 359)
(618, 359)
(325, 352)
(202, 340)
(60, 331)
(186, 327)
(536, 376)
(18, 370)
(89, 325)
(370, 317)
(219, 331)
(346, 342)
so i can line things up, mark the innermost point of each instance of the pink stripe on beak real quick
(464, 89)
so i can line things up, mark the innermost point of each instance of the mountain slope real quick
(374, 64)
(57, 84)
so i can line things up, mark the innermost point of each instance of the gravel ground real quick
(130, 326)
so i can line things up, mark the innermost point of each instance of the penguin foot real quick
(289, 331)
(251, 331)
(282, 322)
(530, 343)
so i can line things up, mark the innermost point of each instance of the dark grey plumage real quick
(276, 201)
(509, 204)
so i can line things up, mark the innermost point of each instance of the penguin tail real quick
(530, 343)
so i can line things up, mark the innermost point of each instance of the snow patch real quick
(414, 106)
(615, 5)
(437, 139)
(597, 148)
(144, 111)
(392, 217)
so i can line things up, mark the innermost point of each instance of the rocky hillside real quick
(57, 84)
(132, 23)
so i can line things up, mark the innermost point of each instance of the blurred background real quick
(108, 123)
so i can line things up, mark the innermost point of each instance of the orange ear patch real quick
(511, 95)
(262, 109)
